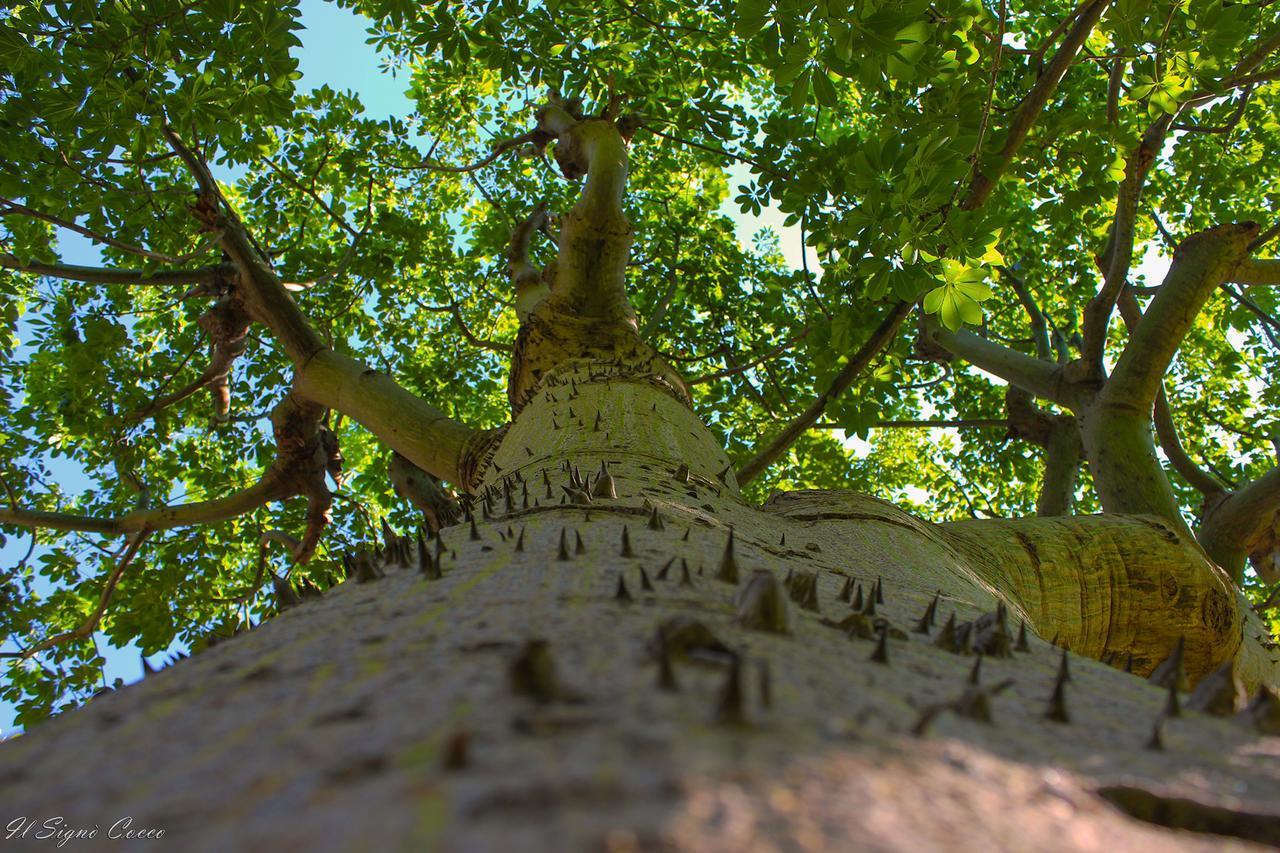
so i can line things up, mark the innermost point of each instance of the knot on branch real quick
(438, 504)
(306, 450)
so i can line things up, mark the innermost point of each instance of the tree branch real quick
(1039, 326)
(1236, 525)
(1167, 435)
(1061, 468)
(1257, 272)
(1201, 263)
(988, 174)
(858, 362)
(1042, 378)
(407, 424)
(87, 627)
(106, 275)
(740, 368)
(12, 206)
(267, 489)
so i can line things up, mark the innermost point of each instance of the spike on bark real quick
(563, 554)
(856, 604)
(626, 542)
(730, 710)
(947, 639)
(622, 593)
(846, 590)
(655, 520)
(1262, 713)
(475, 531)
(685, 537)
(1172, 708)
(604, 487)
(728, 565)
(366, 572)
(1064, 670)
(645, 584)
(879, 590)
(578, 546)
(1057, 710)
(666, 567)
(1021, 645)
(1156, 741)
(685, 579)
(760, 604)
(1219, 693)
(533, 673)
(428, 568)
(975, 673)
(520, 541)
(682, 474)
(285, 595)
(880, 654)
(1172, 670)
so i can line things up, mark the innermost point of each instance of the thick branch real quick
(989, 172)
(1117, 257)
(407, 424)
(595, 236)
(264, 294)
(1238, 524)
(1201, 263)
(1257, 272)
(527, 279)
(1117, 428)
(880, 338)
(1061, 468)
(1041, 378)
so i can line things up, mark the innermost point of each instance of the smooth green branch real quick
(1239, 524)
(1201, 263)
(1042, 378)
(595, 236)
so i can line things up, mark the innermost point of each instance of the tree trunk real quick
(635, 658)
(613, 674)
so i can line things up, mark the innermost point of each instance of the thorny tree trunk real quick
(655, 662)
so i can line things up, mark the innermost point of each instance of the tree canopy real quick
(1000, 169)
